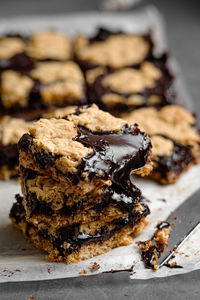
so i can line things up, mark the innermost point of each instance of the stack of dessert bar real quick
(78, 200)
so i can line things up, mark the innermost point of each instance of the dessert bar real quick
(73, 244)
(78, 200)
(47, 84)
(18, 52)
(75, 149)
(175, 139)
(50, 204)
(151, 84)
(113, 50)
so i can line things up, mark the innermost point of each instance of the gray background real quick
(183, 31)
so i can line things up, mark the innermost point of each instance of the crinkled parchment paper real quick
(19, 260)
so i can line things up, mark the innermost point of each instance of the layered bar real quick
(47, 84)
(19, 52)
(78, 242)
(113, 50)
(150, 84)
(86, 147)
(50, 205)
(78, 199)
(175, 139)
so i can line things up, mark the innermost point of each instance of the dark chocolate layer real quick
(71, 234)
(176, 163)
(9, 155)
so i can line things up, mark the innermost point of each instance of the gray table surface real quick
(183, 27)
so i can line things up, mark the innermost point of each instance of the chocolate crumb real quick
(49, 271)
(173, 265)
(125, 294)
(152, 249)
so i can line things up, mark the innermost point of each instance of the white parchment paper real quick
(19, 260)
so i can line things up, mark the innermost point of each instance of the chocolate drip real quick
(115, 154)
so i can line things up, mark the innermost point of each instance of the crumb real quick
(94, 266)
(83, 272)
(31, 298)
(173, 265)
(125, 294)
(152, 249)
(48, 270)
(17, 270)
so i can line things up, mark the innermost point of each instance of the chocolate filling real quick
(111, 196)
(179, 159)
(9, 155)
(76, 239)
(71, 234)
(114, 156)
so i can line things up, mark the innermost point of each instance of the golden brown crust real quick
(95, 119)
(64, 80)
(49, 45)
(12, 129)
(48, 72)
(56, 136)
(129, 80)
(59, 112)
(10, 46)
(15, 88)
(128, 50)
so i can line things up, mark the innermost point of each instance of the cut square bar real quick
(175, 139)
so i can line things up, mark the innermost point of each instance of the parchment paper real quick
(19, 260)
